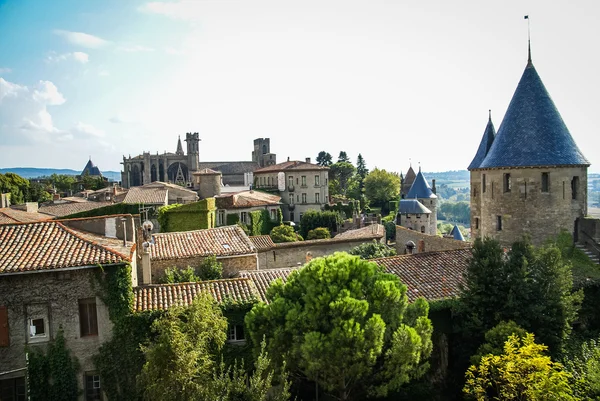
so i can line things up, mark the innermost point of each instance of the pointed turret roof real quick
(532, 132)
(410, 176)
(456, 234)
(179, 147)
(420, 188)
(486, 143)
(91, 169)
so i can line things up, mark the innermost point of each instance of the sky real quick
(398, 81)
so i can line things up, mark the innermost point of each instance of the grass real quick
(583, 268)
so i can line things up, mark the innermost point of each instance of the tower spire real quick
(179, 147)
(490, 117)
(528, 41)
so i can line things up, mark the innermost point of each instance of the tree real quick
(284, 233)
(324, 159)
(38, 192)
(343, 158)
(312, 219)
(62, 182)
(210, 269)
(585, 370)
(340, 175)
(532, 287)
(361, 167)
(15, 185)
(182, 357)
(495, 339)
(372, 250)
(318, 233)
(381, 187)
(343, 323)
(522, 372)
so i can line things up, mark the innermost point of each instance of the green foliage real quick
(209, 269)
(181, 358)
(16, 186)
(318, 233)
(261, 223)
(177, 275)
(390, 230)
(381, 187)
(585, 370)
(343, 323)
(455, 211)
(495, 339)
(532, 287)
(117, 208)
(394, 208)
(346, 210)
(343, 157)
(232, 219)
(192, 216)
(361, 167)
(372, 250)
(340, 175)
(53, 377)
(63, 182)
(324, 159)
(284, 233)
(92, 182)
(38, 192)
(312, 219)
(522, 372)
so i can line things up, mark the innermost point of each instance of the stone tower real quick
(530, 178)
(421, 191)
(193, 150)
(262, 152)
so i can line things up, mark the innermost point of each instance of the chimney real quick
(421, 246)
(146, 267)
(410, 246)
(31, 207)
(124, 221)
(433, 186)
(308, 159)
(288, 158)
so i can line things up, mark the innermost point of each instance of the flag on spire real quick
(526, 17)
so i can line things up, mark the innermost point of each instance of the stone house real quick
(229, 244)
(302, 186)
(529, 178)
(47, 274)
(413, 215)
(422, 192)
(411, 241)
(244, 202)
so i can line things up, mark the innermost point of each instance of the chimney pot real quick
(308, 159)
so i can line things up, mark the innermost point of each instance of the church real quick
(529, 178)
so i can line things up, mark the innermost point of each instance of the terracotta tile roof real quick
(49, 245)
(230, 168)
(293, 165)
(149, 196)
(245, 199)
(262, 279)
(67, 209)
(262, 242)
(432, 275)
(168, 185)
(221, 241)
(163, 296)
(368, 232)
(10, 216)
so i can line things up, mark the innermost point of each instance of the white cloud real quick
(104, 73)
(86, 130)
(48, 92)
(120, 119)
(5, 70)
(135, 49)
(184, 10)
(79, 57)
(81, 39)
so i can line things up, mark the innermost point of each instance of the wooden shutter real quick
(4, 339)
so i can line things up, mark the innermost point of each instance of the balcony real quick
(290, 188)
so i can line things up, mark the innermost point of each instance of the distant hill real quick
(31, 172)
(458, 175)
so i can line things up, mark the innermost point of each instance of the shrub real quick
(284, 233)
(210, 269)
(314, 219)
(319, 233)
(371, 250)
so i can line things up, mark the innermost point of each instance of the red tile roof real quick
(47, 246)
(293, 165)
(368, 232)
(221, 241)
(149, 196)
(432, 275)
(263, 278)
(262, 242)
(245, 199)
(66, 209)
(163, 296)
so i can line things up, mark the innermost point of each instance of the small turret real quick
(179, 151)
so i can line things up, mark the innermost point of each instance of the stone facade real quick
(53, 297)
(526, 208)
(430, 242)
(231, 265)
(262, 152)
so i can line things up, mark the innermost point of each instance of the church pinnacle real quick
(179, 147)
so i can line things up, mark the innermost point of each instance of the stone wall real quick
(588, 233)
(293, 254)
(107, 226)
(231, 265)
(53, 296)
(525, 209)
(431, 242)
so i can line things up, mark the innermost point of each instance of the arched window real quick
(423, 229)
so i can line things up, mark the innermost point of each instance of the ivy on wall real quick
(261, 223)
(192, 216)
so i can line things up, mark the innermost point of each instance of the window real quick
(37, 327)
(4, 336)
(291, 182)
(37, 323)
(273, 213)
(244, 217)
(317, 198)
(221, 218)
(477, 223)
(292, 216)
(574, 187)
(93, 391)
(545, 182)
(317, 180)
(498, 223)
(269, 181)
(180, 200)
(13, 389)
(88, 318)
(303, 180)
(423, 229)
(236, 333)
(483, 183)
(291, 199)
(303, 198)
(507, 182)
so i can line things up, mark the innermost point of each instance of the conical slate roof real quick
(456, 234)
(532, 133)
(420, 188)
(412, 206)
(90, 169)
(486, 143)
(410, 176)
